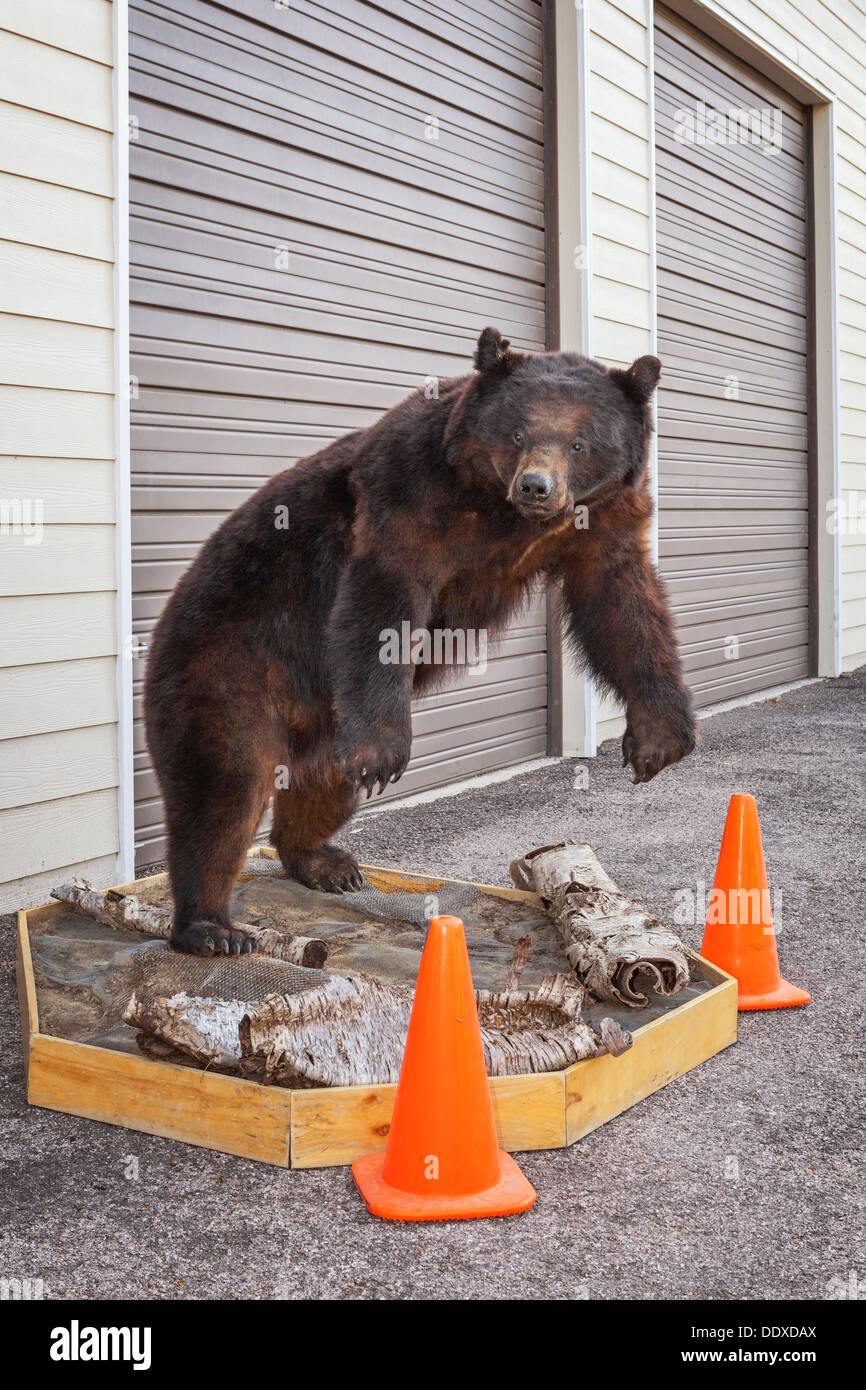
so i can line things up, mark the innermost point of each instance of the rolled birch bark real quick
(125, 910)
(613, 943)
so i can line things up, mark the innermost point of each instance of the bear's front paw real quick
(381, 758)
(654, 741)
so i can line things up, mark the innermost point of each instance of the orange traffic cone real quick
(739, 935)
(442, 1160)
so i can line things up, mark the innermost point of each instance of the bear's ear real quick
(640, 380)
(491, 354)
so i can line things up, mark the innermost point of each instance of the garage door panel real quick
(693, 240)
(363, 47)
(768, 158)
(368, 178)
(779, 415)
(773, 334)
(334, 232)
(303, 130)
(733, 474)
(741, 678)
(725, 286)
(357, 264)
(202, 258)
(496, 242)
(309, 116)
(705, 373)
(761, 177)
(704, 548)
(771, 226)
(386, 350)
(746, 437)
(749, 614)
(337, 319)
(768, 577)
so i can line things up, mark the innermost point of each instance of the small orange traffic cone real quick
(739, 935)
(442, 1160)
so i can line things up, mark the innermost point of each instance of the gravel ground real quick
(739, 1180)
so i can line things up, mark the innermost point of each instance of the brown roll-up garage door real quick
(733, 436)
(329, 201)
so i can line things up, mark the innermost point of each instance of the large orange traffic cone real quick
(442, 1160)
(739, 935)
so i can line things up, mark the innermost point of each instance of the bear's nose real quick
(534, 487)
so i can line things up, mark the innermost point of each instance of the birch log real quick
(204, 1029)
(351, 1031)
(616, 947)
(125, 910)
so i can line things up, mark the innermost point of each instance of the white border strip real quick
(469, 784)
(123, 504)
(834, 578)
(585, 226)
(756, 697)
(653, 266)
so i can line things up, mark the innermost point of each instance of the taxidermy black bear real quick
(266, 675)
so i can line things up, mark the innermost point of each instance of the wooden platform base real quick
(320, 1128)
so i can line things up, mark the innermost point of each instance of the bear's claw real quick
(328, 869)
(203, 938)
(650, 745)
(372, 764)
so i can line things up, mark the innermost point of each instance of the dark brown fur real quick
(265, 676)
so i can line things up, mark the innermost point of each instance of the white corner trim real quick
(653, 266)
(827, 425)
(587, 327)
(123, 506)
(574, 156)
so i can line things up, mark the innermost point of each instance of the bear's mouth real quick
(543, 511)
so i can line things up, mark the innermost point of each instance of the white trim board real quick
(573, 175)
(123, 521)
(757, 697)
(483, 779)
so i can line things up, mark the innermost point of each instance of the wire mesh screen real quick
(155, 971)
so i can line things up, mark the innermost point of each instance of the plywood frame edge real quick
(332, 1126)
(615, 1084)
(224, 1113)
(27, 1002)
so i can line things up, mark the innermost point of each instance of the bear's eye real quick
(518, 436)
(577, 446)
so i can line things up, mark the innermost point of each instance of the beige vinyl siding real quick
(58, 704)
(620, 85)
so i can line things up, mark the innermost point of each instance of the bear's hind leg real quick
(305, 816)
(209, 836)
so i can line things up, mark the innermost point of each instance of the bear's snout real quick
(534, 487)
(540, 489)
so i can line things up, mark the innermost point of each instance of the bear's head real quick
(557, 429)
